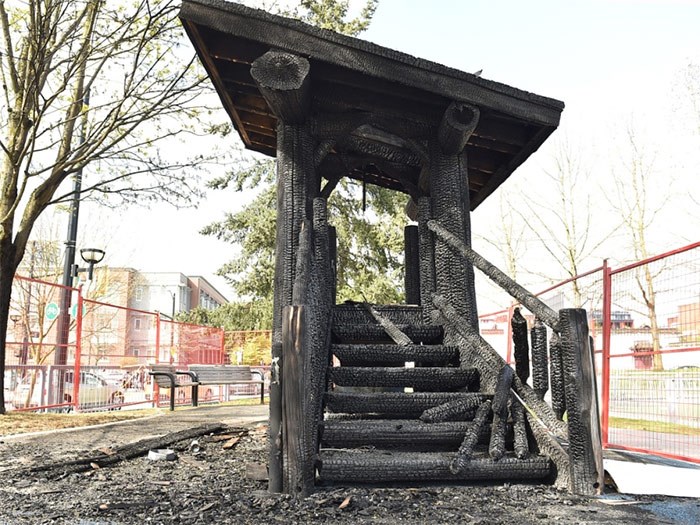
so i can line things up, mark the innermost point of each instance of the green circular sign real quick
(52, 311)
(74, 310)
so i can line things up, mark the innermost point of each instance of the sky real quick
(612, 62)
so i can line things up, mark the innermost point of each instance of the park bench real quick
(167, 376)
(228, 375)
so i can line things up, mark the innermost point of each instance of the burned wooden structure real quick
(330, 106)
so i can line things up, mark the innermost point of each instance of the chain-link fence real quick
(645, 322)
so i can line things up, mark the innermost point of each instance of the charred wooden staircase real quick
(387, 421)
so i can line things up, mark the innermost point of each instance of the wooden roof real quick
(350, 78)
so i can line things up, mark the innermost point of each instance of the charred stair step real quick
(392, 432)
(398, 404)
(362, 466)
(363, 354)
(369, 332)
(425, 378)
(356, 313)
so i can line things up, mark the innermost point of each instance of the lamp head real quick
(92, 255)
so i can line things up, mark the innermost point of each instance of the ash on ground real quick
(218, 481)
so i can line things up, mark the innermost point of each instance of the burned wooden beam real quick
(129, 451)
(466, 449)
(456, 410)
(520, 441)
(381, 466)
(497, 443)
(519, 293)
(426, 253)
(502, 393)
(457, 125)
(283, 79)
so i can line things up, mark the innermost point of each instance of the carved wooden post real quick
(411, 265)
(520, 345)
(449, 190)
(540, 366)
(585, 447)
(333, 258)
(556, 376)
(283, 79)
(426, 254)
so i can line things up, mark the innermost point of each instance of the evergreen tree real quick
(369, 221)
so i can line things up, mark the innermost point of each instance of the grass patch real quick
(653, 426)
(245, 401)
(23, 422)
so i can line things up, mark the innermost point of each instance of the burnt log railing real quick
(580, 466)
(524, 297)
(475, 351)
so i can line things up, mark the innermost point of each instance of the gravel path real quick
(209, 483)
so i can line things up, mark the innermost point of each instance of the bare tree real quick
(633, 204)
(508, 236)
(689, 100)
(691, 94)
(561, 216)
(126, 60)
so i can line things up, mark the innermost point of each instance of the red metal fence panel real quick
(645, 321)
(108, 348)
(652, 399)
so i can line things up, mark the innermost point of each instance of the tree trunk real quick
(650, 300)
(7, 273)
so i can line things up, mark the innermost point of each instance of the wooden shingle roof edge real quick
(370, 59)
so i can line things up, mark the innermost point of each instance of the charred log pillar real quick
(283, 79)
(300, 329)
(449, 190)
(426, 257)
(540, 370)
(585, 446)
(411, 265)
(556, 376)
(520, 344)
(333, 260)
(306, 354)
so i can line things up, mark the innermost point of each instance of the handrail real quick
(526, 298)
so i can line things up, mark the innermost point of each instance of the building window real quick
(138, 296)
(137, 323)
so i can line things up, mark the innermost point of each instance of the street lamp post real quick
(69, 261)
(91, 256)
(172, 327)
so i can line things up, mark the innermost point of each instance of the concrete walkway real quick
(73, 441)
(636, 473)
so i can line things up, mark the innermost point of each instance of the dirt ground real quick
(216, 480)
